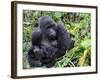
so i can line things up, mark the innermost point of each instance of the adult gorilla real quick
(49, 42)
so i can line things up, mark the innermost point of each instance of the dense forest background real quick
(79, 24)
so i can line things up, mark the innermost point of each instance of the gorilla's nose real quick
(52, 33)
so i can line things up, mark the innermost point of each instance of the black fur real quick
(49, 42)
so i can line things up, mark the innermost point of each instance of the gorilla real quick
(50, 40)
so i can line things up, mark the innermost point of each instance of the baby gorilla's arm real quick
(38, 53)
(51, 52)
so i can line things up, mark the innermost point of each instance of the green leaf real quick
(86, 43)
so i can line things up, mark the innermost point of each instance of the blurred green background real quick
(78, 24)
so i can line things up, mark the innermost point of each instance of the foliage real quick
(79, 24)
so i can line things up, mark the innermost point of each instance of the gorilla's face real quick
(51, 33)
(48, 26)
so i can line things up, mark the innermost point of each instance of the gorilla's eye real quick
(50, 26)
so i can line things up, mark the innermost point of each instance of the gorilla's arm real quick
(36, 36)
(35, 53)
(64, 40)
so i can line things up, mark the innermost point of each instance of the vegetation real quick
(78, 24)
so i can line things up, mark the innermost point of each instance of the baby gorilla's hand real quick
(38, 63)
(38, 53)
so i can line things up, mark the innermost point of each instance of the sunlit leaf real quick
(86, 43)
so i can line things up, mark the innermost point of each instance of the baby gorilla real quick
(50, 47)
(49, 42)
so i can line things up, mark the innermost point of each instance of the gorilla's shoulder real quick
(60, 26)
(61, 29)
